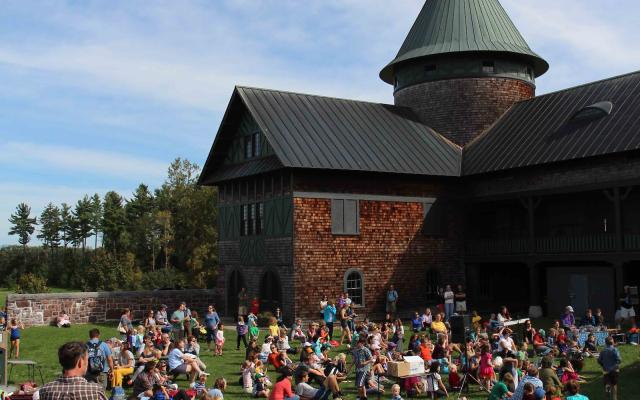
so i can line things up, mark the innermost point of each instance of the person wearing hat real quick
(259, 386)
(568, 320)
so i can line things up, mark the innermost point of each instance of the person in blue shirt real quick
(392, 299)
(101, 378)
(589, 319)
(211, 322)
(416, 322)
(329, 315)
(609, 359)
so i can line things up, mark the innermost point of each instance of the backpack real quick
(117, 393)
(96, 357)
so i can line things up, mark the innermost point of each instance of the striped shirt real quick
(72, 388)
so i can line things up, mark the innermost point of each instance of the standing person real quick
(187, 319)
(73, 358)
(344, 323)
(461, 300)
(100, 359)
(362, 359)
(448, 302)
(14, 336)
(392, 300)
(162, 319)
(329, 315)
(211, 322)
(241, 330)
(255, 306)
(609, 359)
(177, 322)
(125, 325)
(243, 300)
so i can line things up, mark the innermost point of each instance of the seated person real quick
(123, 364)
(432, 382)
(308, 392)
(438, 326)
(590, 349)
(416, 322)
(589, 319)
(181, 363)
(568, 320)
(540, 344)
(62, 320)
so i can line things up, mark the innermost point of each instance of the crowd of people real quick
(312, 363)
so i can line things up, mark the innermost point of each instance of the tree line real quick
(162, 238)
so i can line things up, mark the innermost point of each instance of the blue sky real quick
(102, 95)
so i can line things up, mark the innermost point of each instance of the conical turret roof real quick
(463, 26)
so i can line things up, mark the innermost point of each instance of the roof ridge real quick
(580, 85)
(317, 95)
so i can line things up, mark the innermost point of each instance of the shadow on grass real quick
(627, 385)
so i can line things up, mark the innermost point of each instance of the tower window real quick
(488, 67)
(429, 68)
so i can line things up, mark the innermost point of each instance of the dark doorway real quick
(270, 292)
(491, 285)
(235, 282)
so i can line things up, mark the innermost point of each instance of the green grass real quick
(41, 344)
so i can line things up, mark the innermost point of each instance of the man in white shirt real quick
(181, 363)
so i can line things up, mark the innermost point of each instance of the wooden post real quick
(530, 204)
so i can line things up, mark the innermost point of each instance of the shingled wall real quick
(389, 250)
(461, 109)
(96, 307)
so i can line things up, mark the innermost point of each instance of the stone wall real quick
(96, 307)
(461, 109)
(390, 249)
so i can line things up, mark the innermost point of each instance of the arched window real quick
(354, 286)
(432, 282)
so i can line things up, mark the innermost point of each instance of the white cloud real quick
(51, 158)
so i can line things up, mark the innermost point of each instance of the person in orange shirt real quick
(425, 348)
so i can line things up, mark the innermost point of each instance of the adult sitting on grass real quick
(74, 360)
(181, 363)
(125, 361)
(282, 389)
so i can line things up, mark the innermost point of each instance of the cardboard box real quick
(411, 366)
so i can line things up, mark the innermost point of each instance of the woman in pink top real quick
(282, 388)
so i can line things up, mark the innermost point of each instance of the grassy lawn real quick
(41, 343)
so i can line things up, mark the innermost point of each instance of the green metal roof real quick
(463, 26)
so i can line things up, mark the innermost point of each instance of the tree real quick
(22, 225)
(82, 215)
(114, 236)
(50, 223)
(66, 224)
(140, 219)
(96, 217)
(163, 223)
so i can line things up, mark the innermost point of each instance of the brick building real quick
(467, 178)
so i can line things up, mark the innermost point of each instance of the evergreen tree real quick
(66, 224)
(82, 215)
(50, 223)
(96, 217)
(140, 219)
(113, 223)
(22, 225)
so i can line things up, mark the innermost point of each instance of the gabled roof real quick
(463, 26)
(548, 128)
(308, 131)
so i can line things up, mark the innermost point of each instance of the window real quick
(345, 217)
(435, 221)
(244, 220)
(354, 285)
(488, 67)
(251, 219)
(248, 147)
(255, 139)
(432, 282)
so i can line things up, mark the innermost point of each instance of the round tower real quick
(462, 65)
